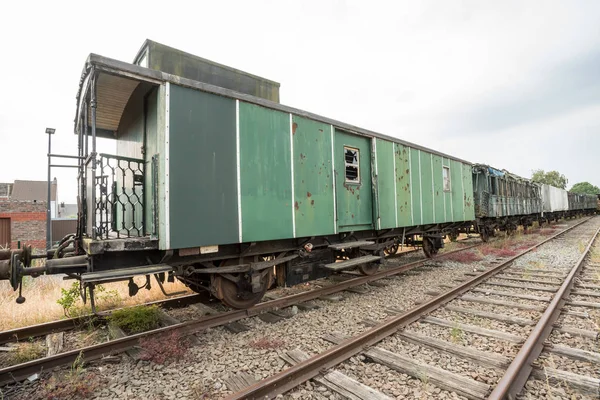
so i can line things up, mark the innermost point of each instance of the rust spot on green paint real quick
(296, 206)
(352, 215)
(302, 156)
(407, 171)
(312, 202)
(294, 127)
(358, 197)
(308, 194)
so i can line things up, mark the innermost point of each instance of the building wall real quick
(27, 220)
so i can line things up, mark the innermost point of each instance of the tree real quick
(552, 178)
(585, 188)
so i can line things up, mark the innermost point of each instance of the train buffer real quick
(351, 263)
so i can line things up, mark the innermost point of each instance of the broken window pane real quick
(351, 163)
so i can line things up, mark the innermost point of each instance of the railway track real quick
(16, 373)
(503, 344)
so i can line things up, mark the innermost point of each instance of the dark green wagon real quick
(231, 192)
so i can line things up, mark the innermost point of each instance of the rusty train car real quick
(217, 184)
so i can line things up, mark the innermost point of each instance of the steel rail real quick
(16, 373)
(305, 370)
(61, 325)
(517, 374)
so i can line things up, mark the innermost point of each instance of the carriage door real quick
(353, 182)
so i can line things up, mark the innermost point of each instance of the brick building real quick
(23, 213)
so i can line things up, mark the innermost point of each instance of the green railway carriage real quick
(230, 192)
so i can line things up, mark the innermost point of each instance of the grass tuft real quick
(136, 319)
(43, 292)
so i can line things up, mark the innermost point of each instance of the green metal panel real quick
(265, 173)
(354, 201)
(415, 177)
(203, 185)
(448, 206)
(427, 188)
(403, 187)
(386, 184)
(456, 183)
(438, 189)
(313, 178)
(468, 192)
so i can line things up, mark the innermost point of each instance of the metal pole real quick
(48, 211)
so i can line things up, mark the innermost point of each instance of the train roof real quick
(117, 80)
(500, 173)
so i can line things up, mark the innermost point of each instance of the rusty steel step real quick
(351, 263)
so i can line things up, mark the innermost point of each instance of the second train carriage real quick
(223, 190)
(503, 200)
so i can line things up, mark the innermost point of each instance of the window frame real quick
(449, 188)
(347, 164)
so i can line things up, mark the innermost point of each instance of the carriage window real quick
(493, 189)
(352, 167)
(446, 176)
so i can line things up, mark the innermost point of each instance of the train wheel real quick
(484, 233)
(368, 269)
(453, 236)
(239, 294)
(393, 249)
(428, 248)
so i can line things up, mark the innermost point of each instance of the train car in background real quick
(503, 201)
(581, 204)
(555, 202)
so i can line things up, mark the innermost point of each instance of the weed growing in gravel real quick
(581, 246)
(456, 333)
(136, 319)
(70, 300)
(266, 343)
(76, 383)
(537, 264)
(26, 352)
(162, 348)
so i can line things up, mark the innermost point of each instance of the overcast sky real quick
(514, 84)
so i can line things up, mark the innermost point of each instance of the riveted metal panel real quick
(202, 169)
(467, 179)
(354, 201)
(313, 177)
(438, 189)
(427, 194)
(265, 173)
(403, 186)
(385, 184)
(415, 178)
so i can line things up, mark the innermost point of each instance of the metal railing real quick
(119, 197)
